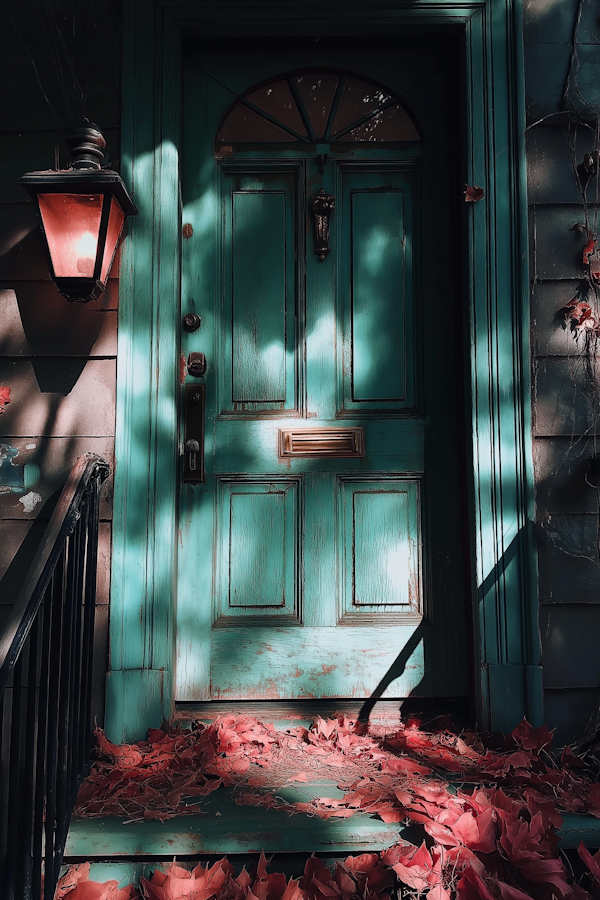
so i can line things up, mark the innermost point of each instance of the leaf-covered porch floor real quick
(483, 810)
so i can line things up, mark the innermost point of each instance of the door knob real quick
(193, 440)
(191, 448)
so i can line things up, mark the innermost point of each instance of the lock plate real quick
(194, 414)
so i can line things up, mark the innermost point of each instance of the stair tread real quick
(225, 827)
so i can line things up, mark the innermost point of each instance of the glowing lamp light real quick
(81, 211)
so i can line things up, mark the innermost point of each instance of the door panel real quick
(376, 289)
(319, 576)
(259, 545)
(259, 309)
(380, 534)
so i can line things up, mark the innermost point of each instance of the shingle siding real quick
(565, 398)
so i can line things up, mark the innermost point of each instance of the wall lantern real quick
(81, 211)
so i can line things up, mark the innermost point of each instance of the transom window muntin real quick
(318, 105)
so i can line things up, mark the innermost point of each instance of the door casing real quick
(502, 565)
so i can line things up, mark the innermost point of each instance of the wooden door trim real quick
(506, 664)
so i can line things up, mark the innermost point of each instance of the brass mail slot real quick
(321, 442)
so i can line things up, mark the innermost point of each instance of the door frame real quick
(506, 668)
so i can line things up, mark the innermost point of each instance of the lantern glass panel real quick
(72, 225)
(115, 227)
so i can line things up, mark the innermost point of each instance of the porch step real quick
(223, 827)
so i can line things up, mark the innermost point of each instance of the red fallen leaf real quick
(160, 815)
(588, 250)
(126, 755)
(368, 869)
(71, 878)
(476, 833)
(441, 834)
(75, 885)
(293, 891)
(244, 880)
(568, 758)
(508, 892)
(344, 882)
(390, 815)
(472, 887)
(362, 863)
(326, 889)
(594, 800)
(4, 398)
(592, 862)
(419, 868)
(473, 193)
(549, 813)
(523, 841)
(532, 738)
(438, 893)
(518, 760)
(465, 750)
(402, 765)
(324, 727)
(176, 883)
(547, 871)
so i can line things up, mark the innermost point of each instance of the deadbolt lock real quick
(196, 365)
(192, 322)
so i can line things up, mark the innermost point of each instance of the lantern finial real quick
(86, 145)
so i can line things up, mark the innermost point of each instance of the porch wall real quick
(565, 397)
(58, 358)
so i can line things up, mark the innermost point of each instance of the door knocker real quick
(322, 206)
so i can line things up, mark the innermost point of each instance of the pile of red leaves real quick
(362, 876)
(496, 839)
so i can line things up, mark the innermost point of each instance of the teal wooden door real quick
(322, 557)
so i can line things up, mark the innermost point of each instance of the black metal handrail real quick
(46, 656)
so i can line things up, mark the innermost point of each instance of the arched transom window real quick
(318, 106)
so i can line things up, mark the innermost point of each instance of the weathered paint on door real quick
(317, 576)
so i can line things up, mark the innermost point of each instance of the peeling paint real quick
(30, 501)
(30, 446)
(12, 477)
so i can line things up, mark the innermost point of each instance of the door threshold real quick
(388, 714)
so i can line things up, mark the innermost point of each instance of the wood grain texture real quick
(258, 286)
(378, 296)
(315, 662)
(376, 299)
(260, 302)
(382, 540)
(259, 535)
